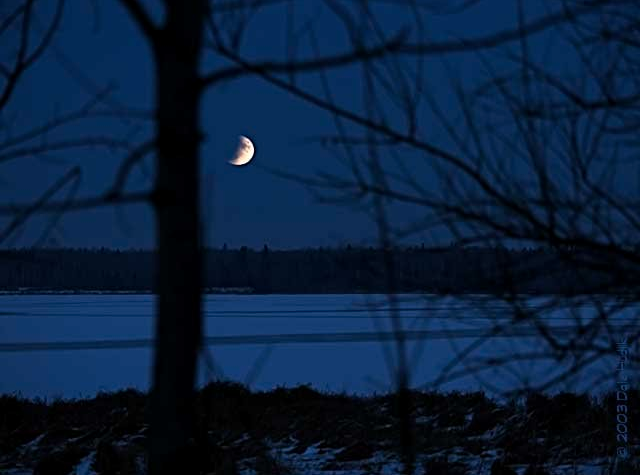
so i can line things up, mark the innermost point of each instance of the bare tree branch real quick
(142, 18)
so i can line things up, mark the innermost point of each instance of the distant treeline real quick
(454, 269)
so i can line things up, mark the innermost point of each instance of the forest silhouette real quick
(453, 269)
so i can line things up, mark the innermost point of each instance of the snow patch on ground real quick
(17, 471)
(84, 466)
(316, 460)
(310, 461)
(32, 445)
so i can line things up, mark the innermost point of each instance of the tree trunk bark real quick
(179, 264)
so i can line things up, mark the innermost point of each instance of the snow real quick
(84, 466)
(314, 459)
(310, 461)
(354, 368)
(317, 459)
(588, 467)
(17, 471)
(422, 420)
(32, 445)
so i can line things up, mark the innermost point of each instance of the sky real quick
(98, 46)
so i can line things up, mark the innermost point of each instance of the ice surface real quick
(355, 367)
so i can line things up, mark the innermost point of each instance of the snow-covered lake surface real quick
(359, 367)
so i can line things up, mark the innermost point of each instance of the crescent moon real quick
(244, 152)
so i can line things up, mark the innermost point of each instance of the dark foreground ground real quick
(301, 431)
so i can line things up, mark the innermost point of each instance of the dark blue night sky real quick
(243, 206)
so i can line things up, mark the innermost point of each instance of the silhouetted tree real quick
(563, 129)
(535, 155)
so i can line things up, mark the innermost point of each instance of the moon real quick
(244, 152)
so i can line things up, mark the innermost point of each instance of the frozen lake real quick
(451, 324)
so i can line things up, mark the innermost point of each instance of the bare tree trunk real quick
(178, 327)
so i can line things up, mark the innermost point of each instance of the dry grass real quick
(235, 424)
